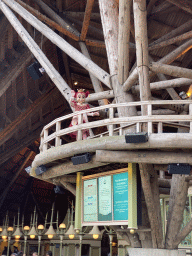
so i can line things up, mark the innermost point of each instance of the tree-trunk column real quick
(141, 40)
(109, 19)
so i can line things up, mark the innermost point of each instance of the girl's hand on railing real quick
(96, 114)
(93, 114)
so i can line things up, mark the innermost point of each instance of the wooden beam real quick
(67, 69)
(86, 20)
(185, 5)
(178, 52)
(14, 70)
(62, 44)
(182, 234)
(150, 6)
(48, 21)
(2, 49)
(28, 139)
(156, 229)
(68, 167)
(175, 32)
(68, 178)
(156, 199)
(95, 82)
(100, 95)
(57, 18)
(169, 58)
(10, 38)
(14, 97)
(160, 8)
(94, 31)
(3, 109)
(34, 48)
(171, 41)
(95, 43)
(59, 5)
(170, 70)
(8, 132)
(177, 203)
(80, 15)
(4, 26)
(156, 141)
(142, 157)
(109, 18)
(178, 82)
(123, 40)
(6, 190)
(68, 186)
(171, 91)
(36, 204)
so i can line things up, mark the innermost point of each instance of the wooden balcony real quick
(162, 138)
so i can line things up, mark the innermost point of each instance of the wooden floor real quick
(160, 149)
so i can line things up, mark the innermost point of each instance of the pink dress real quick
(74, 121)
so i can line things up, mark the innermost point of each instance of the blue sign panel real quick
(120, 196)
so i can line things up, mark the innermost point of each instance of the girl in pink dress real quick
(77, 102)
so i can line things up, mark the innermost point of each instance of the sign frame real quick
(131, 173)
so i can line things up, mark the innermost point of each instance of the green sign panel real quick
(105, 198)
(90, 200)
(120, 196)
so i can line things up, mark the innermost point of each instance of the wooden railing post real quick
(45, 136)
(149, 111)
(79, 132)
(138, 127)
(41, 142)
(190, 113)
(160, 127)
(57, 138)
(111, 115)
(120, 131)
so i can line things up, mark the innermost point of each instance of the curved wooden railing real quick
(52, 133)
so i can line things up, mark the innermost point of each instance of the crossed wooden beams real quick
(84, 29)
(31, 133)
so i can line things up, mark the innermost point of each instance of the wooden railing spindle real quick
(41, 142)
(111, 115)
(160, 127)
(150, 125)
(79, 132)
(45, 145)
(120, 131)
(138, 127)
(57, 138)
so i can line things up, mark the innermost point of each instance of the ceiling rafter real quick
(86, 20)
(185, 5)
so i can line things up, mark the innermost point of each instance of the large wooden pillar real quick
(151, 190)
(109, 19)
(141, 41)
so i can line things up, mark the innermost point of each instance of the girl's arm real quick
(72, 99)
(92, 113)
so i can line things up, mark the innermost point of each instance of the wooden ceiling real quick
(26, 106)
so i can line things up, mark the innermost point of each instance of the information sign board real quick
(106, 198)
(120, 196)
(90, 200)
